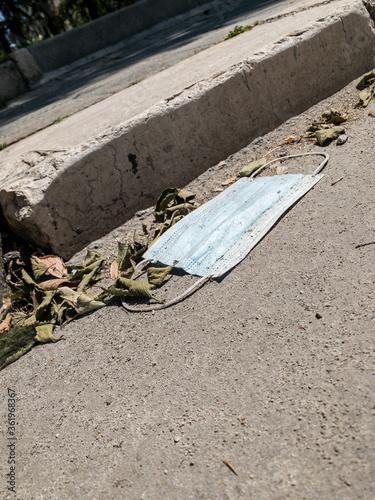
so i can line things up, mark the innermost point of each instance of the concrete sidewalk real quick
(92, 79)
(73, 182)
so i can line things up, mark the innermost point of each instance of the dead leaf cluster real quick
(327, 129)
(367, 90)
(45, 292)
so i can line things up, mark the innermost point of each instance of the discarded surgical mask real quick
(212, 239)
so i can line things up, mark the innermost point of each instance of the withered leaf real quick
(252, 167)
(364, 98)
(5, 324)
(329, 134)
(136, 288)
(366, 81)
(55, 284)
(281, 169)
(156, 275)
(44, 333)
(114, 270)
(49, 265)
(290, 139)
(229, 181)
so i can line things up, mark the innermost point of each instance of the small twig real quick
(338, 180)
(365, 244)
(228, 464)
(272, 150)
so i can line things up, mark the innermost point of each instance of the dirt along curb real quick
(90, 173)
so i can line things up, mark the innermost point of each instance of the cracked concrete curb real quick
(78, 188)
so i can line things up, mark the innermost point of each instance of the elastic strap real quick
(156, 307)
(316, 171)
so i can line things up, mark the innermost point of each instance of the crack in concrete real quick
(89, 182)
(118, 169)
(244, 78)
(345, 32)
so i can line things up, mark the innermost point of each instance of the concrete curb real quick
(74, 196)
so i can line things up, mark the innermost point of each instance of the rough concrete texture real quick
(146, 406)
(26, 65)
(71, 45)
(79, 187)
(12, 82)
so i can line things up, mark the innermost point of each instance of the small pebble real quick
(141, 213)
(341, 140)
(318, 316)
(177, 439)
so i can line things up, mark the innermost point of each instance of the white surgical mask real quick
(219, 234)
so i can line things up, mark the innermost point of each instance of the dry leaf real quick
(252, 167)
(156, 275)
(5, 324)
(6, 303)
(229, 181)
(326, 135)
(281, 169)
(291, 139)
(54, 264)
(364, 98)
(114, 270)
(55, 284)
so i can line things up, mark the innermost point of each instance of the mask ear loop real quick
(138, 268)
(155, 307)
(316, 171)
(204, 279)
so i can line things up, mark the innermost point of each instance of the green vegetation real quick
(3, 145)
(60, 118)
(134, 83)
(240, 29)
